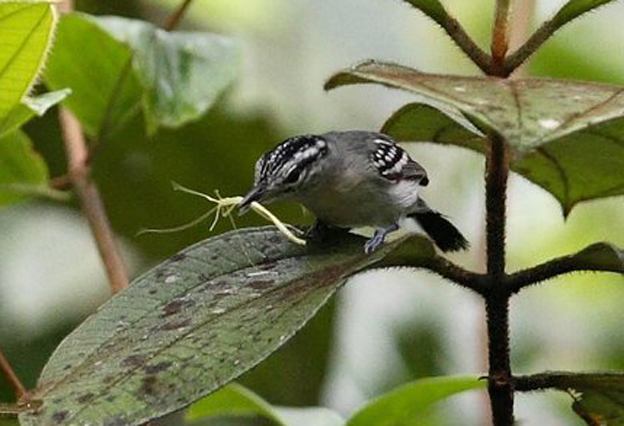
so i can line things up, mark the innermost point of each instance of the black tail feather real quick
(445, 235)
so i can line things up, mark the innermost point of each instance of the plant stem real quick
(5, 367)
(90, 200)
(500, 38)
(500, 386)
(174, 19)
(457, 33)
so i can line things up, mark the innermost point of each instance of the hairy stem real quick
(500, 386)
(90, 200)
(5, 367)
(500, 37)
(529, 47)
(457, 33)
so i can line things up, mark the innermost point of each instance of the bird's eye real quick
(293, 175)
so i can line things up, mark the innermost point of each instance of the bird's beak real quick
(254, 195)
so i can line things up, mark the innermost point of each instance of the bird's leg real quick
(378, 238)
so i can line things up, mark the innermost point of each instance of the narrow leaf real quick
(191, 325)
(26, 29)
(182, 73)
(403, 405)
(597, 398)
(432, 8)
(235, 400)
(575, 8)
(232, 400)
(566, 136)
(29, 107)
(602, 256)
(21, 168)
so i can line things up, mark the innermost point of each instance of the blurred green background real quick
(384, 328)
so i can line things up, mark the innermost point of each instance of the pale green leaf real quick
(403, 405)
(22, 171)
(26, 29)
(29, 107)
(236, 400)
(182, 73)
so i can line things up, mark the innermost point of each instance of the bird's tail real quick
(445, 235)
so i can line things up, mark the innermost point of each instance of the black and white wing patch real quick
(393, 163)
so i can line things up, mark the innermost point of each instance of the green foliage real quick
(105, 94)
(566, 136)
(235, 400)
(117, 66)
(26, 28)
(598, 397)
(404, 405)
(191, 325)
(432, 8)
(22, 171)
(182, 73)
(31, 107)
(575, 8)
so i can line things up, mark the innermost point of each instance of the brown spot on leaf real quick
(133, 361)
(176, 306)
(153, 291)
(148, 385)
(157, 368)
(174, 325)
(85, 397)
(60, 416)
(116, 421)
(260, 284)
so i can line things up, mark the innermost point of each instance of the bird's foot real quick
(378, 238)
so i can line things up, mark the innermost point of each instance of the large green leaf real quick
(598, 397)
(26, 29)
(582, 166)
(97, 68)
(403, 405)
(22, 171)
(235, 400)
(183, 73)
(566, 136)
(29, 107)
(191, 325)
(115, 66)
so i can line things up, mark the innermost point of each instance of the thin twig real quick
(5, 367)
(500, 386)
(534, 42)
(500, 37)
(91, 201)
(458, 275)
(174, 19)
(461, 38)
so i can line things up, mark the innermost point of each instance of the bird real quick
(351, 179)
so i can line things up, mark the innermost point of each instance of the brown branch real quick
(458, 275)
(18, 387)
(90, 200)
(500, 38)
(174, 19)
(500, 385)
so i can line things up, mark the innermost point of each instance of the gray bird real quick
(349, 180)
